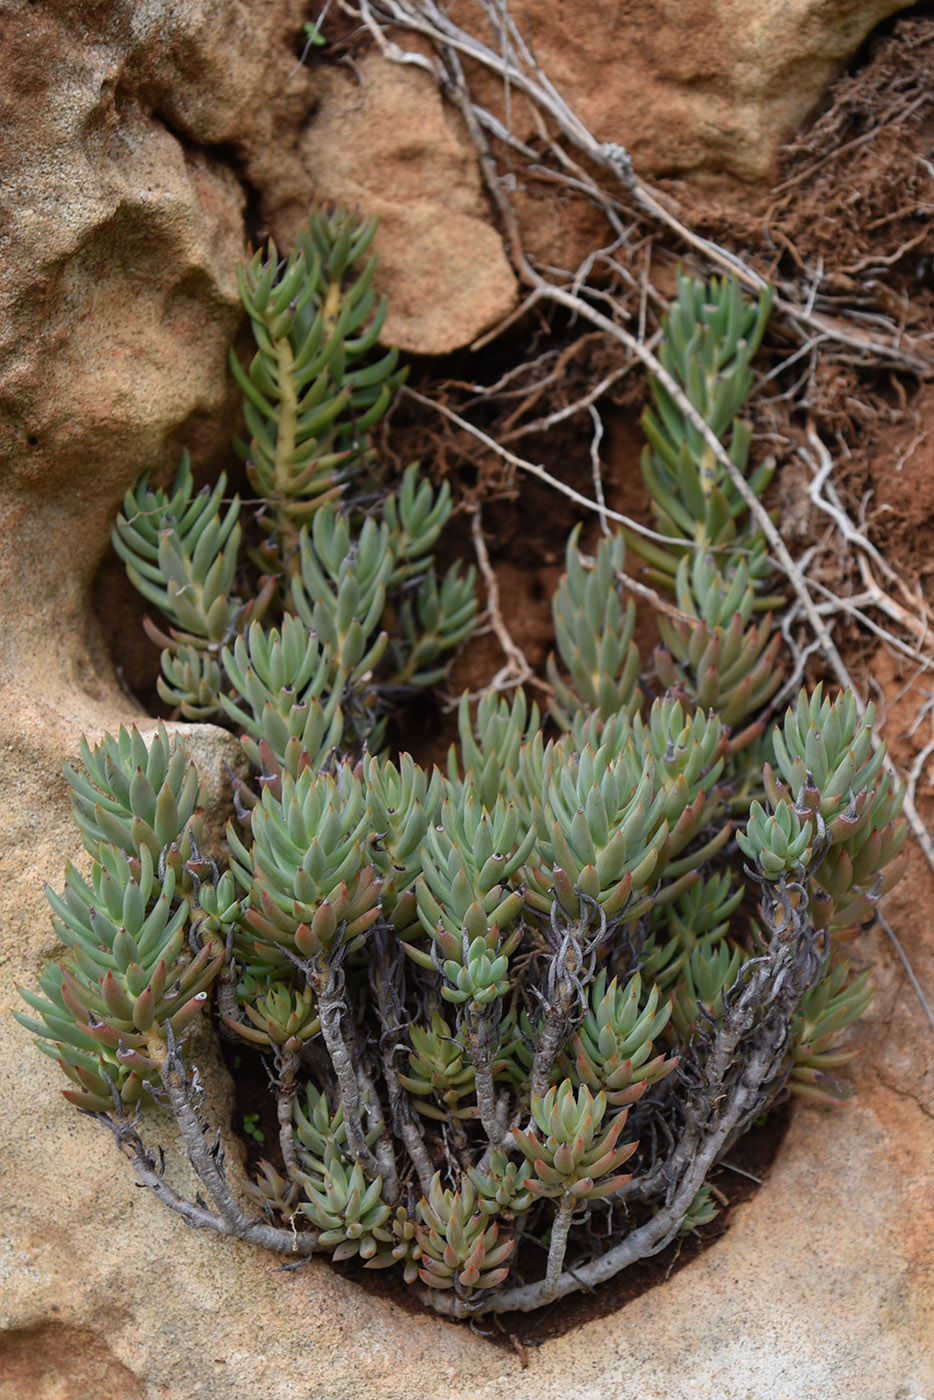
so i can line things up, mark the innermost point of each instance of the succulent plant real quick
(527, 995)
(347, 1209)
(459, 1244)
(700, 1212)
(276, 1015)
(698, 1000)
(594, 635)
(180, 550)
(503, 1188)
(614, 1043)
(833, 772)
(312, 891)
(131, 979)
(713, 650)
(362, 579)
(709, 338)
(286, 698)
(133, 794)
(442, 1076)
(569, 1157)
(311, 392)
(824, 1014)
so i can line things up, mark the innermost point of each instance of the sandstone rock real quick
(129, 130)
(381, 137)
(118, 275)
(719, 86)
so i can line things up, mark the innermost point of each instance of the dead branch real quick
(517, 670)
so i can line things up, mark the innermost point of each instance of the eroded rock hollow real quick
(144, 144)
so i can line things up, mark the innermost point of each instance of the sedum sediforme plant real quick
(304, 638)
(513, 1012)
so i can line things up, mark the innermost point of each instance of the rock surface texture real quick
(142, 141)
(383, 139)
(719, 85)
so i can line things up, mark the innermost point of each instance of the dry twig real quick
(517, 670)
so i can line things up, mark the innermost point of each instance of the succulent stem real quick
(207, 1158)
(478, 1042)
(558, 1247)
(327, 981)
(385, 1152)
(569, 968)
(286, 1070)
(385, 976)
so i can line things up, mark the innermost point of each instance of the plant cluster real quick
(514, 1011)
